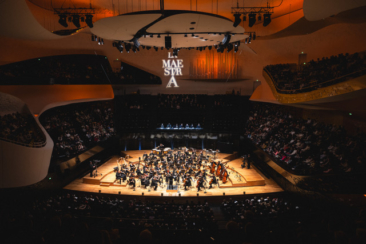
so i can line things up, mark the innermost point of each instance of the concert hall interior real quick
(190, 121)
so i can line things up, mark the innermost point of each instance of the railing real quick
(314, 86)
(31, 144)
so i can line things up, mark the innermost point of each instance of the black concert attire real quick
(138, 172)
(132, 182)
(187, 183)
(200, 184)
(214, 181)
(154, 183)
(92, 168)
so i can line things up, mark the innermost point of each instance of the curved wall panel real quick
(38, 97)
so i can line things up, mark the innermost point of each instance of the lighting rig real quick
(252, 13)
(75, 15)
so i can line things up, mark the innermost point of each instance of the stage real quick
(250, 181)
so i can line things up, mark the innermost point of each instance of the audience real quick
(88, 218)
(75, 128)
(290, 78)
(64, 69)
(306, 146)
(22, 129)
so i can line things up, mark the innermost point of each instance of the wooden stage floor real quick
(250, 181)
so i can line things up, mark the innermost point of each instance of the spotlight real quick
(192, 35)
(259, 17)
(76, 20)
(185, 35)
(136, 42)
(69, 19)
(175, 52)
(237, 20)
(267, 19)
(230, 47)
(158, 35)
(82, 19)
(226, 39)
(244, 17)
(252, 19)
(89, 20)
(62, 20)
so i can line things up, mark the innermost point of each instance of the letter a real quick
(172, 81)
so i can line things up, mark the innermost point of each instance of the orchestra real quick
(173, 168)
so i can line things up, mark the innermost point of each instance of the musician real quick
(213, 181)
(169, 126)
(119, 176)
(198, 126)
(187, 182)
(169, 179)
(92, 168)
(145, 181)
(145, 169)
(243, 164)
(132, 167)
(154, 182)
(132, 182)
(138, 172)
(181, 127)
(200, 183)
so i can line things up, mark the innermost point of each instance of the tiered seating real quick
(290, 78)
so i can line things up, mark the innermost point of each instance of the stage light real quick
(230, 47)
(76, 20)
(192, 35)
(148, 48)
(226, 39)
(237, 20)
(82, 19)
(252, 19)
(259, 17)
(89, 20)
(136, 42)
(185, 35)
(62, 20)
(151, 35)
(244, 17)
(156, 48)
(175, 52)
(158, 35)
(267, 19)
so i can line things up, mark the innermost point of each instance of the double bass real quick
(213, 165)
(224, 175)
(218, 170)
